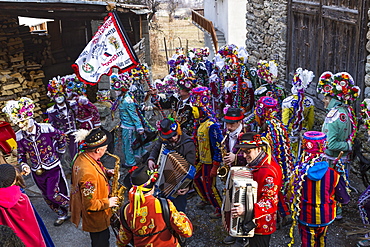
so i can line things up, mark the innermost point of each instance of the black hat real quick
(233, 115)
(250, 140)
(97, 138)
(143, 176)
(7, 175)
(168, 128)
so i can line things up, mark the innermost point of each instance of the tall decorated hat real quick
(103, 95)
(19, 111)
(266, 109)
(120, 82)
(200, 96)
(73, 85)
(301, 80)
(56, 87)
(314, 142)
(339, 86)
(267, 71)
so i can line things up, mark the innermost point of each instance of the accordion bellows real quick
(175, 173)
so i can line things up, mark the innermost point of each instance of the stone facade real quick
(266, 23)
(367, 68)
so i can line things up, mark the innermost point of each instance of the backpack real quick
(166, 217)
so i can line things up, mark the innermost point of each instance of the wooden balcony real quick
(197, 16)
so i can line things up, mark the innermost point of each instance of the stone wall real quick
(267, 32)
(367, 68)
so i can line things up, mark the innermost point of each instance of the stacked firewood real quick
(22, 55)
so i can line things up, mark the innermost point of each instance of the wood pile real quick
(22, 55)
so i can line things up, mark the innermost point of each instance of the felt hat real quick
(233, 115)
(250, 140)
(168, 128)
(339, 86)
(91, 139)
(314, 142)
(19, 111)
(142, 176)
(187, 83)
(7, 175)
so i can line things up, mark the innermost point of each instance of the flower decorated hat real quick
(120, 82)
(19, 111)
(74, 85)
(339, 86)
(266, 107)
(267, 71)
(301, 80)
(314, 142)
(56, 87)
(201, 96)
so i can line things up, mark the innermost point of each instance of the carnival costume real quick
(60, 115)
(340, 124)
(208, 136)
(131, 123)
(267, 72)
(274, 130)
(144, 217)
(86, 113)
(16, 210)
(314, 190)
(90, 187)
(43, 145)
(184, 146)
(184, 78)
(298, 110)
(363, 202)
(267, 173)
(232, 82)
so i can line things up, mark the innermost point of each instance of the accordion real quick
(241, 188)
(175, 173)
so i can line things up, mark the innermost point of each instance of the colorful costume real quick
(43, 144)
(60, 115)
(267, 173)
(183, 146)
(90, 188)
(298, 110)
(315, 188)
(274, 130)
(130, 121)
(208, 138)
(144, 218)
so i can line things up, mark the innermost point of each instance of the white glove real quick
(83, 100)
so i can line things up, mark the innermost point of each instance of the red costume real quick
(17, 213)
(268, 176)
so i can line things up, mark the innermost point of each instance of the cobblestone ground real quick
(207, 232)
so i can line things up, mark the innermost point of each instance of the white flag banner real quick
(110, 47)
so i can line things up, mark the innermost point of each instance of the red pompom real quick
(133, 169)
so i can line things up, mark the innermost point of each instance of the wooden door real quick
(327, 35)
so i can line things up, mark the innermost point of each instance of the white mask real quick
(59, 99)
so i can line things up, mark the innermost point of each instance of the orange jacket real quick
(89, 195)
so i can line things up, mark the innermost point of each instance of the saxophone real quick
(118, 190)
(223, 170)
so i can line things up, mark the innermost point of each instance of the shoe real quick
(363, 243)
(215, 215)
(60, 220)
(202, 204)
(339, 217)
(229, 240)
(287, 220)
(241, 242)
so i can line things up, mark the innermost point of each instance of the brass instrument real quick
(223, 170)
(118, 190)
